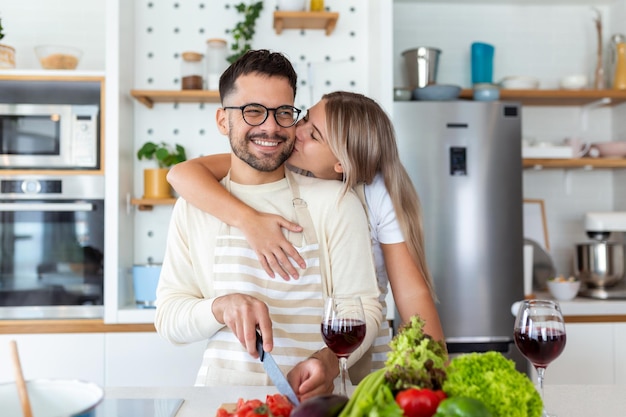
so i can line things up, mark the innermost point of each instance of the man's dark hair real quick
(261, 61)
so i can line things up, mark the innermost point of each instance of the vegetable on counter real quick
(462, 407)
(320, 406)
(416, 402)
(276, 405)
(492, 379)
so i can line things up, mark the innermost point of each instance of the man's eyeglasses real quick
(256, 114)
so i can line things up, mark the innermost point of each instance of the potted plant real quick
(243, 32)
(155, 183)
(7, 53)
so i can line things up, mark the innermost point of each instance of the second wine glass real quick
(539, 334)
(343, 330)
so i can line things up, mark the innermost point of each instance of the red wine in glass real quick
(343, 330)
(344, 336)
(539, 334)
(540, 349)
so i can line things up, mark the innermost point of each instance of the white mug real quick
(291, 5)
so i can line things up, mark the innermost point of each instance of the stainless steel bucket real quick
(421, 66)
(599, 264)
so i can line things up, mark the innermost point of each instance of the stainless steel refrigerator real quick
(464, 158)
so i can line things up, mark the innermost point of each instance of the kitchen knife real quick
(274, 372)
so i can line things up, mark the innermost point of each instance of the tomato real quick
(279, 405)
(417, 402)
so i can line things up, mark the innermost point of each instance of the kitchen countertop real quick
(562, 400)
(585, 306)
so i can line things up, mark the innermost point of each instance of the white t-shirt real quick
(384, 228)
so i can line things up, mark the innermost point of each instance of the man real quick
(212, 285)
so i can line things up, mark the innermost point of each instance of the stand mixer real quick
(599, 264)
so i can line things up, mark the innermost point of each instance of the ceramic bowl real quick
(58, 57)
(291, 5)
(486, 92)
(563, 290)
(437, 92)
(53, 398)
(573, 82)
(519, 82)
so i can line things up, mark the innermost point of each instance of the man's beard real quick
(241, 150)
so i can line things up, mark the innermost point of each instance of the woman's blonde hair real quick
(362, 137)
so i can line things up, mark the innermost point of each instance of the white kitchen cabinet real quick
(588, 358)
(146, 359)
(64, 356)
(619, 333)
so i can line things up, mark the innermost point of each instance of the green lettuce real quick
(491, 378)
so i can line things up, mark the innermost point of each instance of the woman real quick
(346, 137)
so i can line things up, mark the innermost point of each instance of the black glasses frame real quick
(296, 111)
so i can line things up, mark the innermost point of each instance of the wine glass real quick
(539, 333)
(343, 330)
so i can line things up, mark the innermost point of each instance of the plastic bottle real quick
(191, 71)
(216, 62)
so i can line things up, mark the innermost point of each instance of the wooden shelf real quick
(147, 204)
(305, 20)
(584, 163)
(558, 97)
(149, 97)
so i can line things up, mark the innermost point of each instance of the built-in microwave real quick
(43, 136)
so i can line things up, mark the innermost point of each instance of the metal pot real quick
(421, 66)
(599, 264)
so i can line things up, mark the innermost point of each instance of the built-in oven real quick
(51, 246)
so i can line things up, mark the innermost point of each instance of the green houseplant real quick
(243, 32)
(155, 183)
(7, 53)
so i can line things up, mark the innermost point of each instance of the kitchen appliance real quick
(464, 158)
(422, 64)
(51, 246)
(599, 264)
(49, 136)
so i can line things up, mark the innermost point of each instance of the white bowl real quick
(52, 398)
(520, 82)
(291, 5)
(573, 82)
(563, 290)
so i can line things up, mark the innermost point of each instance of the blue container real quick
(482, 63)
(145, 281)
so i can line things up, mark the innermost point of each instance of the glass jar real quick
(216, 62)
(191, 71)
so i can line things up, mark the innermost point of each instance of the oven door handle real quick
(46, 207)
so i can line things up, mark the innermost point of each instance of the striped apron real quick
(295, 306)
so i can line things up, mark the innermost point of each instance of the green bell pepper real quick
(462, 407)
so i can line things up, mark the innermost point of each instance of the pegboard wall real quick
(165, 29)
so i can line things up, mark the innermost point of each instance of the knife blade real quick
(274, 372)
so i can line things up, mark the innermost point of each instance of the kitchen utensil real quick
(421, 64)
(482, 62)
(599, 81)
(599, 264)
(145, 282)
(19, 381)
(274, 372)
(437, 92)
(53, 398)
(58, 57)
(563, 290)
